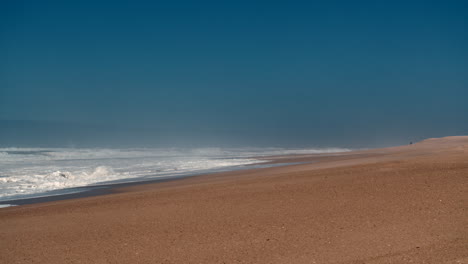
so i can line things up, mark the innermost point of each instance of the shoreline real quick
(395, 205)
(109, 188)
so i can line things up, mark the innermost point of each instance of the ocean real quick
(38, 172)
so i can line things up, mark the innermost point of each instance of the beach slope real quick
(404, 204)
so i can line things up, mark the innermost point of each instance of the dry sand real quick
(399, 205)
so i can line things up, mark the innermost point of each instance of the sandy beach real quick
(404, 204)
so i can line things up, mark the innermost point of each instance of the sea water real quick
(35, 172)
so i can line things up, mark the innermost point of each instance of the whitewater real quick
(36, 172)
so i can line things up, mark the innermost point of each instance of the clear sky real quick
(232, 72)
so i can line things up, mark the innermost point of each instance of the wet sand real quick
(398, 205)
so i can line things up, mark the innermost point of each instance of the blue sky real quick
(240, 72)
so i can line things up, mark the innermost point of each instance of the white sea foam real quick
(26, 172)
(6, 205)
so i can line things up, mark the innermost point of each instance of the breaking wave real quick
(26, 172)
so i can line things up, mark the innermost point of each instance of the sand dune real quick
(404, 204)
